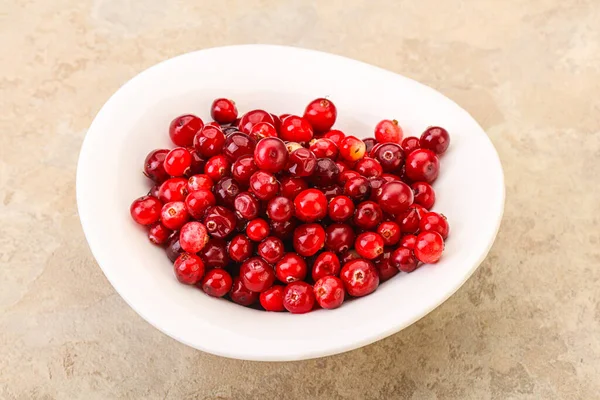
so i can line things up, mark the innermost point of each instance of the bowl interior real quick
(470, 192)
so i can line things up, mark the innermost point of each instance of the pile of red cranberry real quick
(285, 211)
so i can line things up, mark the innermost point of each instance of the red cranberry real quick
(390, 177)
(257, 275)
(198, 202)
(421, 211)
(410, 144)
(154, 167)
(424, 194)
(321, 114)
(271, 249)
(215, 254)
(276, 123)
(404, 259)
(199, 181)
(390, 156)
(189, 268)
(336, 136)
(332, 191)
(408, 241)
(339, 238)
(246, 206)
(252, 118)
(272, 298)
(284, 230)
(198, 163)
(183, 129)
(435, 222)
(429, 247)
(326, 173)
(240, 248)
(226, 191)
(292, 186)
(360, 277)
(243, 169)
(369, 245)
(370, 144)
(388, 131)
(329, 292)
(154, 191)
(174, 189)
(240, 294)
(390, 232)
(146, 210)
(352, 148)
(280, 209)
(395, 197)
(257, 229)
(348, 256)
(271, 155)
(302, 162)
(223, 111)
(326, 264)
(217, 283)
(341, 208)
(217, 167)
(193, 237)
(209, 141)
(264, 185)
(220, 222)
(174, 215)
(324, 148)
(422, 165)
(296, 129)
(308, 239)
(369, 167)
(376, 184)
(173, 248)
(341, 167)
(158, 234)
(310, 205)
(291, 268)
(298, 297)
(435, 139)
(345, 176)
(238, 144)
(263, 130)
(409, 220)
(358, 188)
(368, 215)
(386, 268)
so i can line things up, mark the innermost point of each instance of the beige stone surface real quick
(525, 326)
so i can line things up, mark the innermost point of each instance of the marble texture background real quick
(525, 326)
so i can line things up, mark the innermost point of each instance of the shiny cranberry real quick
(220, 221)
(385, 266)
(215, 254)
(291, 268)
(263, 130)
(429, 247)
(408, 241)
(154, 167)
(332, 191)
(189, 268)
(435, 222)
(158, 234)
(154, 191)
(183, 129)
(237, 145)
(280, 209)
(296, 129)
(226, 191)
(174, 189)
(240, 248)
(339, 237)
(368, 215)
(341, 167)
(193, 236)
(326, 173)
(321, 114)
(257, 229)
(435, 139)
(257, 275)
(349, 255)
(352, 148)
(217, 167)
(360, 277)
(223, 111)
(422, 165)
(329, 292)
(298, 297)
(198, 202)
(410, 144)
(271, 155)
(369, 245)
(209, 141)
(308, 239)
(173, 248)
(217, 283)
(369, 167)
(390, 232)
(409, 220)
(310, 205)
(358, 188)
(376, 184)
(302, 162)
(370, 143)
(240, 294)
(395, 197)
(404, 259)
(390, 156)
(327, 263)
(284, 230)
(345, 176)
(146, 210)
(174, 215)
(292, 186)
(264, 185)
(243, 169)
(252, 118)
(276, 123)
(388, 131)
(246, 206)
(424, 194)
(341, 208)
(271, 249)
(421, 211)
(198, 163)
(324, 148)
(272, 298)
(391, 177)
(199, 181)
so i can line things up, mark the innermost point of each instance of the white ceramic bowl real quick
(135, 120)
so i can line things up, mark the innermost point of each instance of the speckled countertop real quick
(525, 326)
